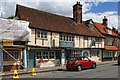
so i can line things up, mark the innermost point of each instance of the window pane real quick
(64, 37)
(93, 43)
(43, 55)
(70, 38)
(46, 55)
(14, 54)
(38, 34)
(42, 35)
(52, 54)
(85, 38)
(37, 55)
(67, 38)
(45, 34)
(60, 37)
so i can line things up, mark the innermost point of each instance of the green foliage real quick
(11, 17)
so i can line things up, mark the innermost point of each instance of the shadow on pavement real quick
(73, 70)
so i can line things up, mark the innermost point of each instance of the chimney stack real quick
(105, 21)
(113, 29)
(77, 12)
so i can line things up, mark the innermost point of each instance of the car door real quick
(85, 62)
(89, 62)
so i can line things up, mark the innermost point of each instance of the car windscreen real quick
(75, 58)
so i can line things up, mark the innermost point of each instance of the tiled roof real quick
(48, 21)
(112, 48)
(103, 29)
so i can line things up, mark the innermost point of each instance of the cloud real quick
(61, 7)
(58, 0)
(119, 23)
(64, 9)
(97, 17)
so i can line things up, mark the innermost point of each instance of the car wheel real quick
(94, 66)
(79, 68)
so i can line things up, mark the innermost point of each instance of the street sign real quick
(7, 43)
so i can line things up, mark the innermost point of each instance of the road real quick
(102, 71)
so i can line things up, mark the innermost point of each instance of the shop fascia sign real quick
(11, 43)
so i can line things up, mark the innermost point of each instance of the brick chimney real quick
(77, 12)
(105, 21)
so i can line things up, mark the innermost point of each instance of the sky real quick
(92, 9)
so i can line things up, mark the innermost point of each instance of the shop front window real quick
(45, 54)
(15, 54)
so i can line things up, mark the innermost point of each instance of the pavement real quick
(48, 69)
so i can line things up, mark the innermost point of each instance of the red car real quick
(78, 63)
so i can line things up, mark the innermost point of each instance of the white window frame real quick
(42, 34)
(46, 56)
(98, 40)
(66, 37)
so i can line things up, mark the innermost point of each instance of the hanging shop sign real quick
(7, 43)
(12, 43)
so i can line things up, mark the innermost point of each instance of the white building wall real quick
(56, 37)
(89, 42)
(32, 37)
(81, 41)
(77, 42)
(96, 45)
(47, 42)
(44, 42)
(103, 43)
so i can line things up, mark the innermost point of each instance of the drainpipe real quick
(25, 56)
(1, 59)
(63, 57)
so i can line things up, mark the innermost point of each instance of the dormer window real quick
(90, 25)
(91, 22)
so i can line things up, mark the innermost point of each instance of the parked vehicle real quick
(79, 63)
(118, 59)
